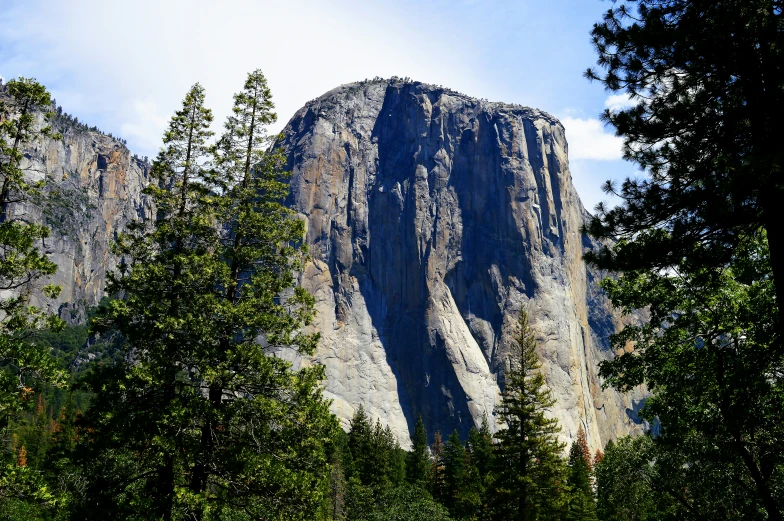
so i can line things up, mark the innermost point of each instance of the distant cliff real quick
(93, 190)
(432, 219)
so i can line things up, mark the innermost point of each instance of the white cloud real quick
(100, 58)
(618, 102)
(589, 139)
(145, 125)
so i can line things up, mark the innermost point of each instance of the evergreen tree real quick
(337, 492)
(437, 478)
(581, 505)
(706, 81)
(360, 500)
(144, 404)
(463, 498)
(528, 464)
(360, 445)
(199, 418)
(418, 460)
(480, 445)
(707, 353)
(454, 473)
(480, 449)
(707, 84)
(24, 364)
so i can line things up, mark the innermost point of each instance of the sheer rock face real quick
(93, 191)
(432, 218)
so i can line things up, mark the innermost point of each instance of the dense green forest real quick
(166, 404)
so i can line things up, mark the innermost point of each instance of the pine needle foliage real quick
(529, 469)
(581, 505)
(202, 420)
(25, 366)
(418, 459)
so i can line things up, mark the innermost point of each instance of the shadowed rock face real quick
(432, 218)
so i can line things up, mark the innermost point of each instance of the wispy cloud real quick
(618, 102)
(100, 73)
(589, 139)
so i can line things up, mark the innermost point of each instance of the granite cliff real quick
(432, 218)
(93, 190)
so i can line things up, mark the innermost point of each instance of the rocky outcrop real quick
(93, 190)
(432, 218)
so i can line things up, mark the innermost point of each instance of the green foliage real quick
(624, 480)
(463, 498)
(580, 501)
(407, 503)
(418, 459)
(199, 420)
(706, 80)
(529, 469)
(455, 472)
(377, 461)
(480, 452)
(709, 355)
(24, 365)
(360, 500)
(700, 243)
(437, 478)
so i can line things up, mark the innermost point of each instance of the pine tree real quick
(707, 87)
(199, 418)
(528, 464)
(462, 496)
(24, 365)
(437, 480)
(480, 450)
(454, 473)
(581, 505)
(480, 445)
(143, 405)
(337, 492)
(360, 445)
(418, 459)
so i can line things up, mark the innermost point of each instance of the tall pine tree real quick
(528, 464)
(24, 364)
(580, 504)
(455, 474)
(480, 450)
(200, 418)
(418, 459)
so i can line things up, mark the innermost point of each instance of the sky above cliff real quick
(125, 66)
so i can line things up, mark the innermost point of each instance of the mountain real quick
(93, 190)
(432, 218)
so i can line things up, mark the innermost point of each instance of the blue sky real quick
(124, 66)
